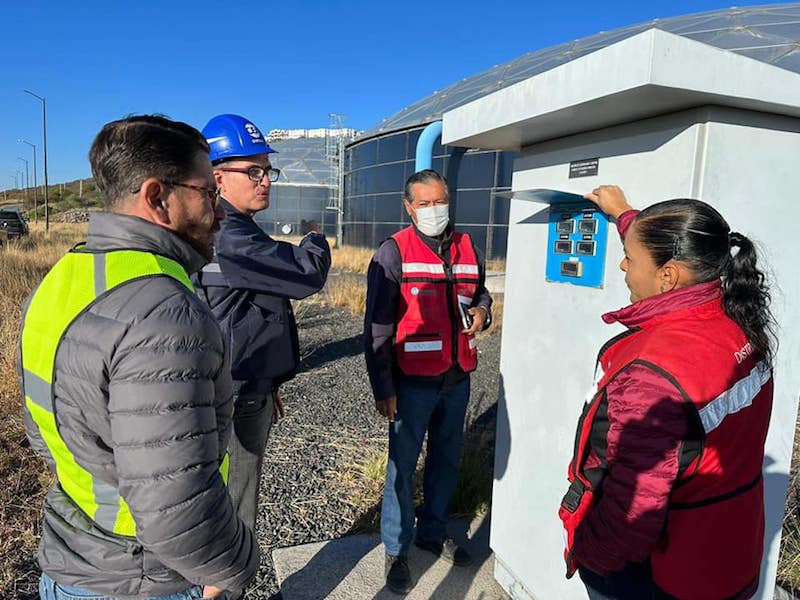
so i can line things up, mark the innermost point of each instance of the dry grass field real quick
(352, 259)
(23, 478)
(789, 564)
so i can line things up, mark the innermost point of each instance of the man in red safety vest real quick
(426, 300)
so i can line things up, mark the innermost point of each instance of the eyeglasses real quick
(212, 194)
(255, 173)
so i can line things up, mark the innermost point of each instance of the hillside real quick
(62, 197)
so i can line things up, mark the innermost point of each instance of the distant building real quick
(296, 134)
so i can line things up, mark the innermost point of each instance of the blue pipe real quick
(425, 145)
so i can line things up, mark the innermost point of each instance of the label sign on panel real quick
(583, 168)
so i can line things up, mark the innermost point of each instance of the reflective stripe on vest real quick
(739, 396)
(465, 269)
(422, 268)
(411, 269)
(72, 286)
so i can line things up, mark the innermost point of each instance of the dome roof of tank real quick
(769, 33)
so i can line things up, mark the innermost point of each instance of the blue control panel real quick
(576, 244)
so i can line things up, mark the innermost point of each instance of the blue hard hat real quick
(232, 136)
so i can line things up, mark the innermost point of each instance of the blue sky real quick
(283, 65)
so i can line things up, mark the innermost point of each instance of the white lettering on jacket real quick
(742, 354)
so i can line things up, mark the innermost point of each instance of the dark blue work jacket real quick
(249, 285)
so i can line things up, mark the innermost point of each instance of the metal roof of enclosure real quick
(768, 33)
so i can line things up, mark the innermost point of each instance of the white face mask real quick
(432, 220)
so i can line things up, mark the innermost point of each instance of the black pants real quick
(634, 582)
(252, 421)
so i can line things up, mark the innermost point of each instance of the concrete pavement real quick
(351, 568)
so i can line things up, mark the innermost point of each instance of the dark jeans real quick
(252, 421)
(634, 582)
(422, 407)
(50, 590)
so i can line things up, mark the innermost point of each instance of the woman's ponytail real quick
(746, 296)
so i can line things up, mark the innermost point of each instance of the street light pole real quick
(44, 135)
(27, 179)
(35, 183)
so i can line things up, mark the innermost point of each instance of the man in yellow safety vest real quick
(126, 385)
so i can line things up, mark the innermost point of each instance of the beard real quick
(201, 240)
(205, 248)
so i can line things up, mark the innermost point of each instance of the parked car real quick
(12, 223)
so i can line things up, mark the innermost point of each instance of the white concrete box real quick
(666, 117)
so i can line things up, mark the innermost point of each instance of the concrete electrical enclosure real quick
(663, 117)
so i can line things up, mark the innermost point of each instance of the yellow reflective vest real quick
(74, 284)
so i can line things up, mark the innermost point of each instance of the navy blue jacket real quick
(249, 286)
(380, 320)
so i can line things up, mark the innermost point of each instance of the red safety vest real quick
(714, 533)
(428, 340)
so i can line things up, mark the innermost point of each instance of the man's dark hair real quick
(128, 151)
(425, 177)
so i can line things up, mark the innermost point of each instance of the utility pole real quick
(44, 135)
(35, 183)
(27, 179)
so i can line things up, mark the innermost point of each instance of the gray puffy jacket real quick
(143, 401)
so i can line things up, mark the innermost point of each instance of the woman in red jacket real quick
(666, 492)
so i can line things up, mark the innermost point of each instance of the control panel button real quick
(565, 226)
(585, 248)
(588, 226)
(563, 247)
(571, 269)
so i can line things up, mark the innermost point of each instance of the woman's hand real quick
(610, 199)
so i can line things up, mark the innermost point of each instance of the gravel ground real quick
(330, 422)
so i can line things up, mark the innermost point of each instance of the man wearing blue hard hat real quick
(249, 286)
